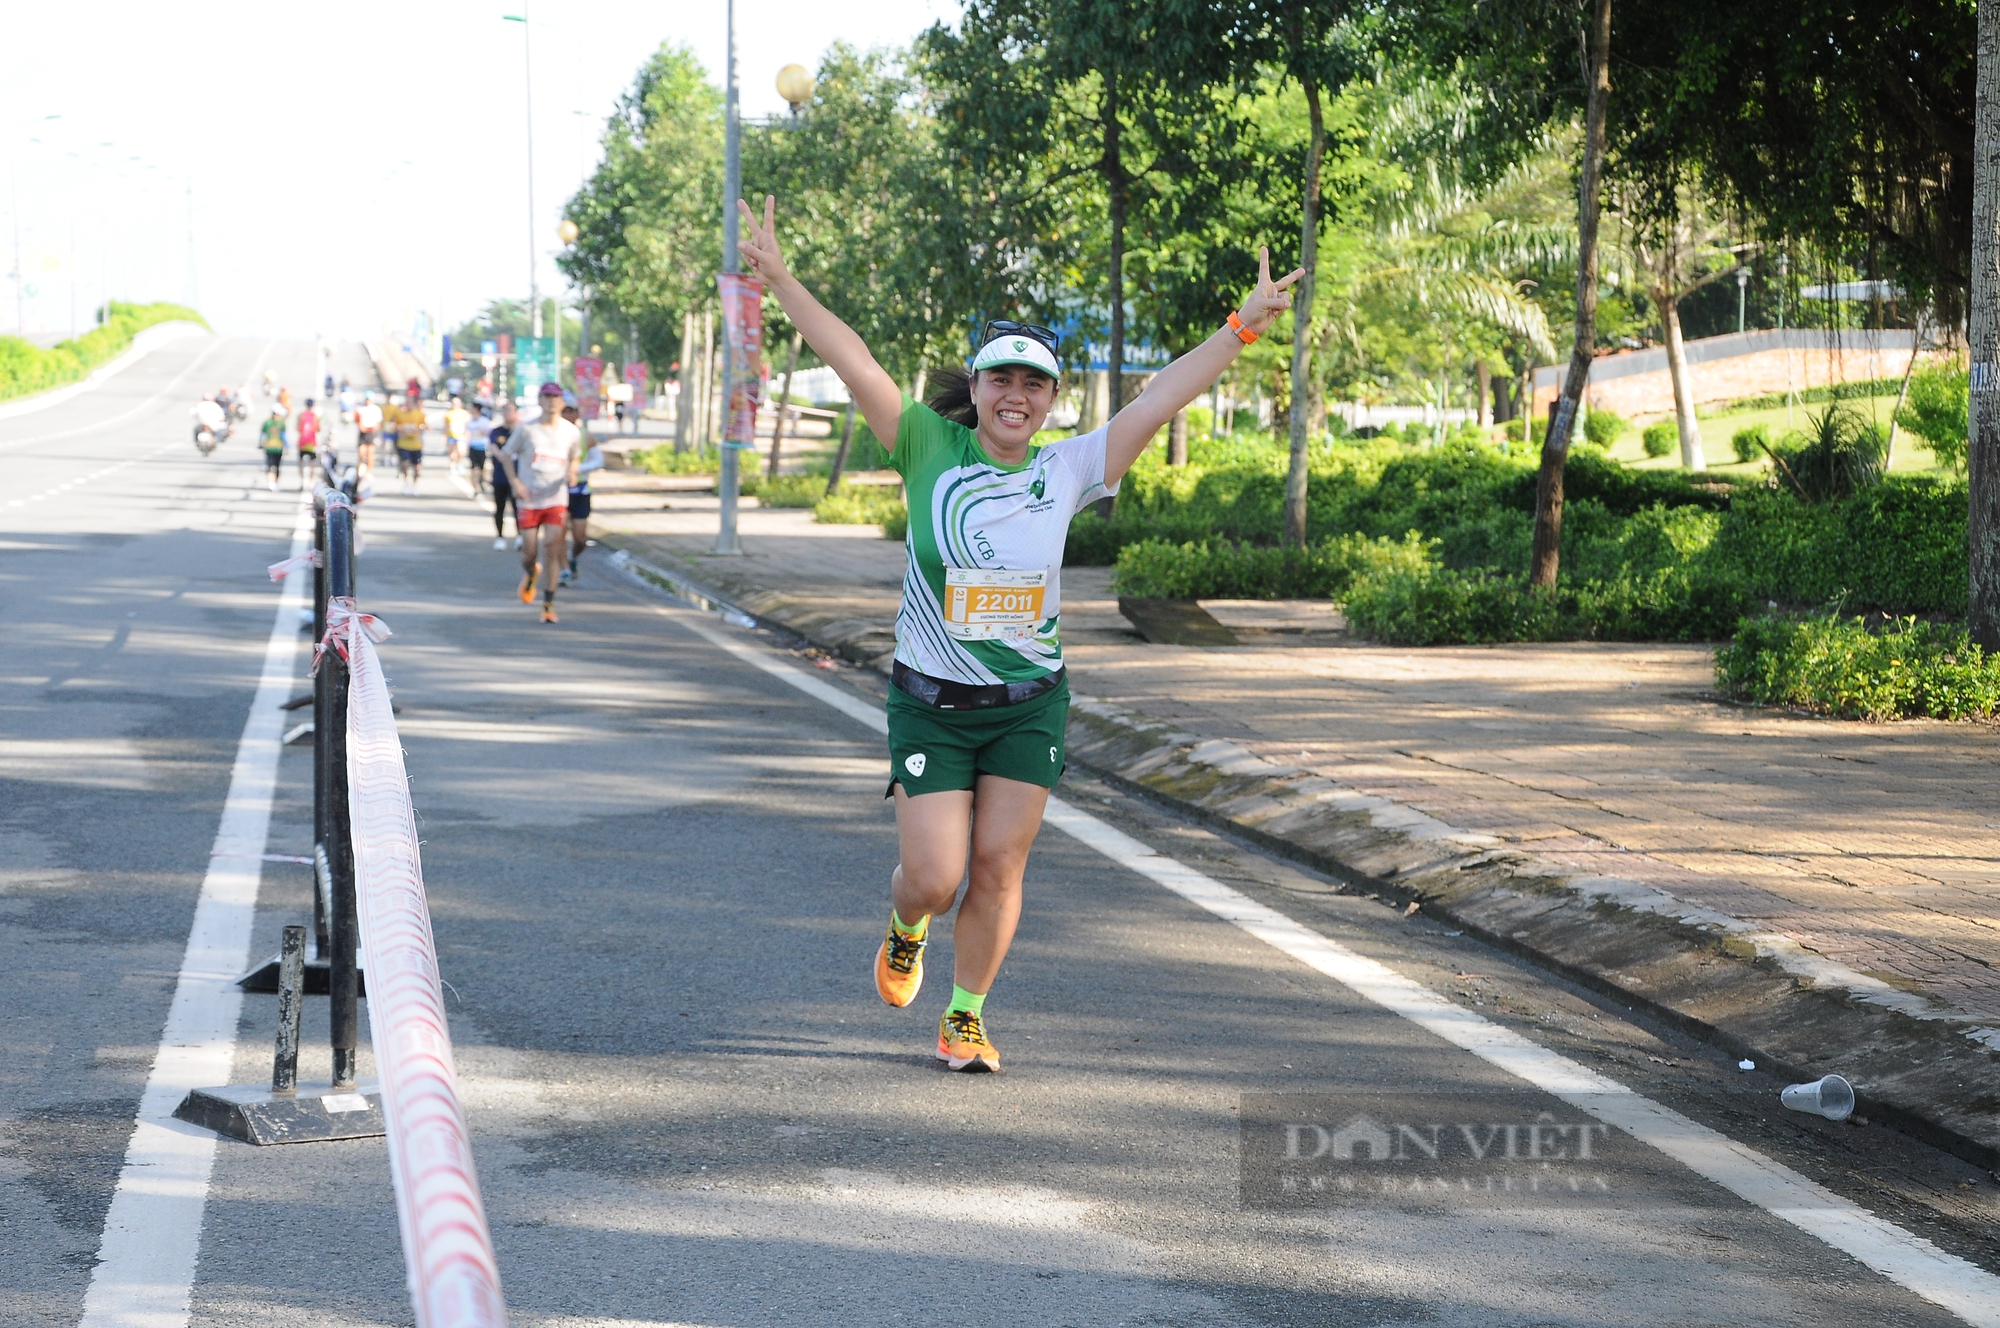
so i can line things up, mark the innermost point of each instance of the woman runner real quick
(503, 493)
(980, 703)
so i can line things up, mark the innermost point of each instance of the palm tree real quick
(1450, 248)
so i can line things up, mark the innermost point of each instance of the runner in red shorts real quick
(540, 462)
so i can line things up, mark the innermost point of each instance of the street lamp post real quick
(1742, 284)
(528, 99)
(726, 541)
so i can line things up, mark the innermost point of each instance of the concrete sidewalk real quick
(1823, 895)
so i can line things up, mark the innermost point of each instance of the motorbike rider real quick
(210, 416)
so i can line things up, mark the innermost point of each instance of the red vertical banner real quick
(589, 371)
(637, 374)
(743, 325)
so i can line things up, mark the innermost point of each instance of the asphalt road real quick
(657, 878)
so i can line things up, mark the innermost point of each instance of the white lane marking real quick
(152, 1233)
(126, 415)
(94, 475)
(1944, 1279)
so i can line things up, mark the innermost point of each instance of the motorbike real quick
(206, 439)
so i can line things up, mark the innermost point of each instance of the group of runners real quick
(540, 470)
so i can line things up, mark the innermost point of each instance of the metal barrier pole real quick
(322, 721)
(291, 999)
(344, 930)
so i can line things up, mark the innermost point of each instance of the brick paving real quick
(1869, 844)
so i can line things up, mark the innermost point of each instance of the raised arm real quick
(875, 392)
(1188, 377)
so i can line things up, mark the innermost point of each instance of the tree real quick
(858, 203)
(1679, 245)
(1515, 53)
(1070, 125)
(1311, 43)
(647, 241)
(1547, 554)
(1983, 442)
(1848, 124)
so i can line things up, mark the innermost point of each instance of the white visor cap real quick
(1016, 350)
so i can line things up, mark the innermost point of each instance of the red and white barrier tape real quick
(343, 623)
(310, 558)
(454, 1281)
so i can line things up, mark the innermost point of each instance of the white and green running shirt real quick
(983, 596)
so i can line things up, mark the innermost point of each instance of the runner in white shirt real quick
(367, 422)
(540, 462)
(976, 716)
(478, 431)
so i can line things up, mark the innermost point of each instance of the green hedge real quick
(26, 367)
(1445, 606)
(1222, 569)
(786, 490)
(865, 505)
(664, 460)
(1897, 547)
(1838, 667)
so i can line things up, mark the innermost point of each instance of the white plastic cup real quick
(1831, 1097)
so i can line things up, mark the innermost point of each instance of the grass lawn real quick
(1911, 454)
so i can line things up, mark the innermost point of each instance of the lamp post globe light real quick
(795, 85)
(567, 232)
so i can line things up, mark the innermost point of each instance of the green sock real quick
(972, 1002)
(923, 924)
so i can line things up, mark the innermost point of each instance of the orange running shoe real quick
(899, 965)
(962, 1043)
(528, 588)
(548, 613)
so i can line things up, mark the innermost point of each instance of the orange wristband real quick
(1243, 334)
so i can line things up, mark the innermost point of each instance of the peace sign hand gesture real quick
(1269, 298)
(759, 245)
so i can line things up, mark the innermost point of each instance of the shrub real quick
(1603, 428)
(865, 505)
(1837, 456)
(1221, 569)
(1939, 402)
(1441, 606)
(786, 490)
(1660, 438)
(1588, 473)
(1749, 442)
(663, 460)
(1837, 666)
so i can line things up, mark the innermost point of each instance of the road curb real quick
(1916, 1069)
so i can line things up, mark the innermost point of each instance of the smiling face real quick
(1012, 401)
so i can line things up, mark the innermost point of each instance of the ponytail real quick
(951, 396)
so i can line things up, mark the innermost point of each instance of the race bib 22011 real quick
(987, 604)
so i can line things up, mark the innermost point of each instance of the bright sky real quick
(339, 167)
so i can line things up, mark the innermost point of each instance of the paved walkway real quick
(1877, 846)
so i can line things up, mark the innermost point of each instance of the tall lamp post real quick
(726, 542)
(528, 100)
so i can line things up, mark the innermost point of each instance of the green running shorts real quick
(933, 751)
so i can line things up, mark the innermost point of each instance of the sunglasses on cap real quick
(1007, 327)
